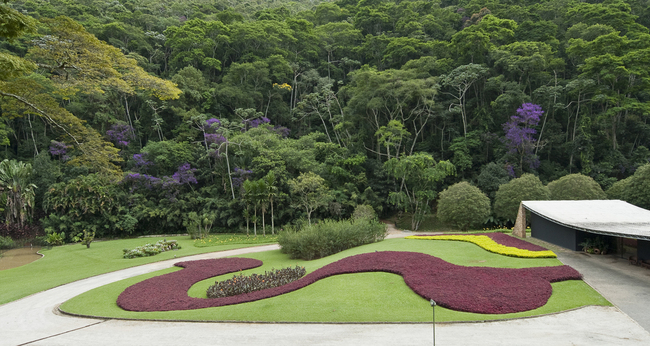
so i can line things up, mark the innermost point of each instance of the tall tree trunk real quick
(272, 223)
(255, 223)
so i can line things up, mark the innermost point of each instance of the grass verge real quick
(68, 263)
(362, 297)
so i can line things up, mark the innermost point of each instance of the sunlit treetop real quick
(79, 62)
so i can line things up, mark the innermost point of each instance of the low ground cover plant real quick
(330, 237)
(151, 249)
(471, 289)
(241, 283)
(499, 243)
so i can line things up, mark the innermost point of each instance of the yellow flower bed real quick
(490, 245)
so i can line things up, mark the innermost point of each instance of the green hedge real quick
(329, 237)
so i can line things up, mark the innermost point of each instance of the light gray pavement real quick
(624, 285)
(33, 321)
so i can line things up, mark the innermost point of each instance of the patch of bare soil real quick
(17, 257)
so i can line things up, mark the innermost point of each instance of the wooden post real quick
(520, 225)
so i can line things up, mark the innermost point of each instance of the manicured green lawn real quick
(68, 263)
(363, 297)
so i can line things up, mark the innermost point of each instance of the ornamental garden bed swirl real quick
(499, 243)
(471, 289)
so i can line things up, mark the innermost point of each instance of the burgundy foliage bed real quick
(472, 289)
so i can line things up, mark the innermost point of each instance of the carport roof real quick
(608, 217)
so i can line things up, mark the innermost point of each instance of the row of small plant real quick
(329, 237)
(241, 284)
(461, 288)
(489, 244)
(224, 239)
(151, 249)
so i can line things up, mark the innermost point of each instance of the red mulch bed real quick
(471, 289)
(505, 239)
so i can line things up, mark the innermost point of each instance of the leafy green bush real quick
(245, 284)
(151, 249)
(463, 205)
(364, 211)
(638, 190)
(55, 238)
(618, 189)
(88, 238)
(526, 188)
(575, 187)
(329, 237)
(6, 243)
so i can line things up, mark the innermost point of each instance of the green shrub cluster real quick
(151, 249)
(245, 284)
(329, 237)
(464, 206)
(6, 243)
(575, 187)
(637, 190)
(525, 188)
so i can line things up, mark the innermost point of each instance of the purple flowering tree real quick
(170, 185)
(59, 149)
(141, 162)
(519, 136)
(121, 134)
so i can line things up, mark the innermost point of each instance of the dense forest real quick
(142, 116)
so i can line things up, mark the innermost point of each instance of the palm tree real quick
(14, 184)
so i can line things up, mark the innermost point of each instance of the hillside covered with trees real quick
(144, 116)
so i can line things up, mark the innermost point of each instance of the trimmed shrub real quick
(463, 205)
(246, 284)
(526, 188)
(151, 249)
(329, 237)
(618, 189)
(638, 190)
(575, 187)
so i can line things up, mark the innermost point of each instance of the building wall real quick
(555, 234)
(643, 250)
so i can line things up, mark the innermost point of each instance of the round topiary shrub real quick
(618, 189)
(637, 191)
(526, 188)
(575, 187)
(464, 206)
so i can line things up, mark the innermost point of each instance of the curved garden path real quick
(34, 320)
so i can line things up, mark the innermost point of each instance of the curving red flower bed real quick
(507, 240)
(471, 289)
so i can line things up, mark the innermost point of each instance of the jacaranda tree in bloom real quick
(519, 138)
